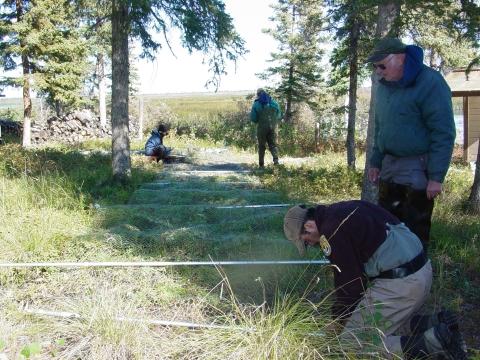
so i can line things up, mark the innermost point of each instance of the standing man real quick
(366, 243)
(266, 113)
(414, 134)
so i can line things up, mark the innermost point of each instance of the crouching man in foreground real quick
(367, 243)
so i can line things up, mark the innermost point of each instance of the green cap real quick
(385, 47)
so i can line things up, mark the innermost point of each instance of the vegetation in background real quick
(47, 213)
(296, 66)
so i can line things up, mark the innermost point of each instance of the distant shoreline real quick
(206, 93)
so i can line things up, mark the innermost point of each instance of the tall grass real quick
(46, 214)
(39, 214)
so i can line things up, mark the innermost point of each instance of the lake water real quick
(459, 127)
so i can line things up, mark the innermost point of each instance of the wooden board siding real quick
(473, 130)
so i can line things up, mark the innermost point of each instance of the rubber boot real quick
(417, 214)
(391, 197)
(414, 347)
(274, 152)
(261, 157)
(421, 323)
(437, 342)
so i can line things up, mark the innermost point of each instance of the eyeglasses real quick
(305, 232)
(383, 66)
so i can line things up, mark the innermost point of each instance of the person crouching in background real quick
(154, 145)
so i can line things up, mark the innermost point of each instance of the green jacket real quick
(264, 102)
(414, 116)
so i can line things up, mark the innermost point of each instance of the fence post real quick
(317, 136)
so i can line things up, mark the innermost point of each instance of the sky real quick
(186, 73)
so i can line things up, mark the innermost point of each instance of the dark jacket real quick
(414, 115)
(154, 141)
(355, 230)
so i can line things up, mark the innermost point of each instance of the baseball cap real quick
(293, 223)
(385, 47)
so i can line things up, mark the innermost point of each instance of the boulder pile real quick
(75, 126)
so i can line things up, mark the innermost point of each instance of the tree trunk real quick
(473, 203)
(27, 105)
(27, 101)
(288, 105)
(386, 16)
(101, 89)
(59, 108)
(352, 94)
(120, 78)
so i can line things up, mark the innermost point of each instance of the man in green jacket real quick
(414, 134)
(266, 113)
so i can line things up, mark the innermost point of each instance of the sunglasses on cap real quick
(384, 65)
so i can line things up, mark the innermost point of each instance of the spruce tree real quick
(297, 64)
(47, 45)
(204, 26)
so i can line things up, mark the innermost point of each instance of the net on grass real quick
(208, 209)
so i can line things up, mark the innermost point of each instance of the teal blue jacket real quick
(414, 115)
(262, 102)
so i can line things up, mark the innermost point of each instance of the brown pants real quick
(384, 313)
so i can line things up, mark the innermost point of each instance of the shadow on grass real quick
(89, 172)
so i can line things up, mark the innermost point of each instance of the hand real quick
(434, 188)
(374, 176)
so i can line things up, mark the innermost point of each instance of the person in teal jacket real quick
(414, 134)
(266, 113)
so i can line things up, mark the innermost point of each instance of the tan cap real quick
(293, 223)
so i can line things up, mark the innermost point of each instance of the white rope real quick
(159, 263)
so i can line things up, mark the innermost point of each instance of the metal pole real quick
(251, 206)
(121, 318)
(156, 322)
(160, 263)
(213, 171)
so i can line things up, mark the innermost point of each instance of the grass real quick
(46, 214)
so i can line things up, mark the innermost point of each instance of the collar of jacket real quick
(413, 65)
